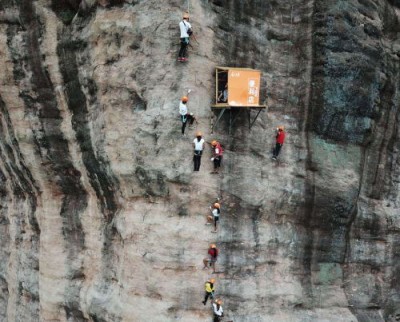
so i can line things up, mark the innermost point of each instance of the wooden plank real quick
(216, 86)
(224, 105)
(237, 68)
(221, 105)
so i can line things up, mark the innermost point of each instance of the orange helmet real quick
(213, 246)
(214, 143)
(184, 99)
(198, 133)
(217, 205)
(212, 280)
(281, 128)
(219, 301)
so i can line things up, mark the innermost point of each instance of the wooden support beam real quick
(234, 116)
(218, 118)
(255, 119)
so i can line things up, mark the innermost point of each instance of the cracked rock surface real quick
(101, 216)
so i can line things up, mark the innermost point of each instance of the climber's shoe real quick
(184, 59)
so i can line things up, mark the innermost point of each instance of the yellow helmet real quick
(184, 99)
(198, 133)
(213, 246)
(185, 15)
(212, 280)
(217, 205)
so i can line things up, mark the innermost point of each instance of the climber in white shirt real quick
(183, 112)
(185, 30)
(218, 311)
(198, 144)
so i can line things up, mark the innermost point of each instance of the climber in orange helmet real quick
(212, 259)
(217, 155)
(215, 211)
(198, 144)
(280, 139)
(209, 288)
(183, 111)
(186, 31)
(218, 311)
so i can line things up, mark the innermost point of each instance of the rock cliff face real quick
(101, 216)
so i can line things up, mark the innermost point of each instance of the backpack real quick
(188, 30)
(214, 253)
(221, 150)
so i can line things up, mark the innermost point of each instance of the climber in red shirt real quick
(280, 139)
(212, 259)
(217, 155)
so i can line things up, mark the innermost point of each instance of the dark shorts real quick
(217, 162)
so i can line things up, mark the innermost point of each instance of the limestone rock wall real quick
(101, 216)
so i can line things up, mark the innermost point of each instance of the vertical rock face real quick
(101, 216)
(356, 64)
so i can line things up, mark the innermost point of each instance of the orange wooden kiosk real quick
(237, 89)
